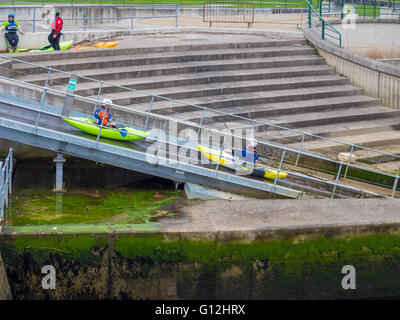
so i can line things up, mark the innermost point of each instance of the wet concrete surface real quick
(271, 216)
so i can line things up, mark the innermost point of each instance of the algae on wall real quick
(167, 266)
(5, 292)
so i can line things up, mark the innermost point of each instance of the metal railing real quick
(228, 12)
(293, 154)
(6, 170)
(317, 22)
(85, 20)
(333, 186)
(395, 61)
(252, 123)
(362, 8)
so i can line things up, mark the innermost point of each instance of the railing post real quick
(201, 121)
(159, 143)
(11, 168)
(337, 180)
(176, 15)
(220, 155)
(341, 9)
(320, 9)
(34, 20)
(147, 117)
(84, 18)
(42, 101)
(323, 30)
(1, 192)
(5, 187)
(279, 170)
(309, 15)
(396, 181)
(347, 167)
(101, 126)
(132, 18)
(98, 96)
(301, 147)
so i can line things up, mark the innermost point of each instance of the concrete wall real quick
(5, 293)
(379, 79)
(251, 264)
(385, 37)
(80, 12)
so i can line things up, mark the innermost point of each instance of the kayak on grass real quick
(63, 46)
(235, 163)
(122, 133)
(101, 45)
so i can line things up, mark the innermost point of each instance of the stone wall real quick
(5, 293)
(215, 265)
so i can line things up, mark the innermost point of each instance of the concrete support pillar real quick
(59, 160)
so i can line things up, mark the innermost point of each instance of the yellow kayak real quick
(234, 163)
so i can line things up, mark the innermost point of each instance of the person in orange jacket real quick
(104, 113)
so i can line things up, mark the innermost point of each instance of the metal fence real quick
(129, 14)
(362, 8)
(6, 170)
(288, 154)
(228, 12)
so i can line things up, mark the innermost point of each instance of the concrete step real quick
(185, 79)
(228, 101)
(333, 130)
(374, 157)
(281, 108)
(79, 54)
(311, 119)
(371, 140)
(227, 88)
(121, 61)
(107, 74)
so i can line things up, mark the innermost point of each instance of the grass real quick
(39, 207)
(378, 53)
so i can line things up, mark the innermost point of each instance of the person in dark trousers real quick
(56, 26)
(11, 26)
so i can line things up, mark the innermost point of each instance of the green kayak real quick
(122, 132)
(63, 46)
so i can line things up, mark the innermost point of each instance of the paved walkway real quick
(277, 217)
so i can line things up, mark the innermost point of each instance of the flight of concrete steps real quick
(278, 81)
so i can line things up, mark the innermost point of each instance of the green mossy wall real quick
(168, 266)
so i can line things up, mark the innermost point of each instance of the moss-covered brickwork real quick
(156, 265)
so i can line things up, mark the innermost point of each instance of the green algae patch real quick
(81, 248)
(199, 266)
(326, 250)
(41, 207)
(81, 228)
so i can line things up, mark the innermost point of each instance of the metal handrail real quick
(252, 122)
(6, 170)
(325, 26)
(217, 132)
(389, 59)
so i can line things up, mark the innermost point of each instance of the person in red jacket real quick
(56, 26)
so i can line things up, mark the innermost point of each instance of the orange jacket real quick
(101, 115)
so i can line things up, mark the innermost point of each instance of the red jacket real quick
(59, 24)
